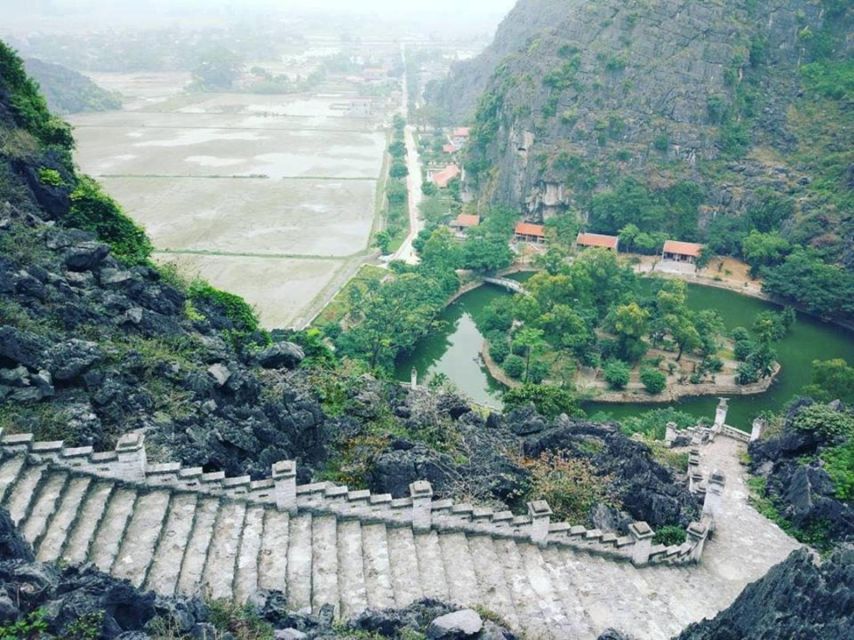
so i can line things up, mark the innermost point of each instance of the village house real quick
(677, 251)
(460, 136)
(443, 177)
(450, 148)
(528, 232)
(599, 240)
(463, 222)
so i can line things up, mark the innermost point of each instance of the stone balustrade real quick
(128, 463)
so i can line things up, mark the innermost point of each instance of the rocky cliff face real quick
(581, 95)
(799, 598)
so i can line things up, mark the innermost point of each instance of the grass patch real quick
(368, 277)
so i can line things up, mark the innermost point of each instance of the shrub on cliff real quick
(617, 374)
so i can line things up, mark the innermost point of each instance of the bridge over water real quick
(511, 285)
(179, 530)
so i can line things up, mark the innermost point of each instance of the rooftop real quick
(597, 240)
(443, 177)
(461, 132)
(683, 248)
(529, 229)
(466, 220)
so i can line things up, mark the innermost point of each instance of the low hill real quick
(68, 91)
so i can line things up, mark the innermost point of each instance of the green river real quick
(454, 351)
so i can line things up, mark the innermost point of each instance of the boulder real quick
(22, 347)
(220, 373)
(281, 355)
(455, 626)
(85, 256)
(393, 471)
(70, 359)
(12, 544)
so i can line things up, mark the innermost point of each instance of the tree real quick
(763, 249)
(548, 400)
(398, 170)
(629, 322)
(654, 381)
(832, 380)
(429, 188)
(824, 289)
(531, 340)
(617, 374)
(514, 366)
(218, 68)
(684, 333)
(383, 242)
(397, 149)
(396, 193)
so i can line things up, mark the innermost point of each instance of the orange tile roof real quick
(467, 220)
(597, 240)
(683, 248)
(443, 177)
(528, 229)
(450, 148)
(462, 132)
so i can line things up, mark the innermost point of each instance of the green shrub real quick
(50, 177)
(839, 465)
(499, 350)
(825, 420)
(654, 381)
(617, 374)
(94, 210)
(30, 627)
(514, 366)
(549, 400)
(669, 535)
(235, 308)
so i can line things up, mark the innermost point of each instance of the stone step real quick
(324, 562)
(75, 550)
(459, 569)
(218, 576)
(10, 469)
(19, 498)
(136, 553)
(404, 566)
(567, 590)
(299, 562)
(377, 566)
(44, 506)
(351, 569)
(431, 568)
(275, 549)
(111, 530)
(541, 583)
(69, 507)
(169, 555)
(532, 617)
(494, 586)
(193, 565)
(246, 573)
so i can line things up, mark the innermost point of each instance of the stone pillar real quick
(422, 505)
(720, 415)
(130, 450)
(694, 471)
(759, 425)
(669, 433)
(642, 535)
(541, 517)
(713, 504)
(413, 378)
(697, 534)
(285, 485)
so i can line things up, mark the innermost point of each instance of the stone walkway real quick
(178, 530)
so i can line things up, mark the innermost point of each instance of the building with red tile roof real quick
(464, 221)
(529, 232)
(443, 177)
(597, 240)
(681, 251)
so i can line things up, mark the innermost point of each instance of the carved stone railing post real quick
(285, 485)
(642, 535)
(697, 534)
(130, 450)
(669, 433)
(720, 414)
(421, 492)
(695, 477)
(541, 517)
(758, 427)
(713, 504)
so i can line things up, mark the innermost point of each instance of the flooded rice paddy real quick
(269, 196)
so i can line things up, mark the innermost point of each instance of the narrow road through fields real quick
(413, 180)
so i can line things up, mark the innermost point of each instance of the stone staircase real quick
(181, 531)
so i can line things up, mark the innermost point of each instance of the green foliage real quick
(669, 535)
(838, 462)
(398, 169)
(217, 69)
(617, 374)
(29, 628)
(94, 210)
(831, 79)
(764, 249)
(549, 400)
(50, 177)
(831, 380)
(563, 77)
(824, 420)
(653, 423)
(87, 627)
(242, 621)
(661, 142)
(514, 366)
(235, 308)
(499, 350)
(816, 535)
(654, 381)
(29, 107)
(805, 278)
